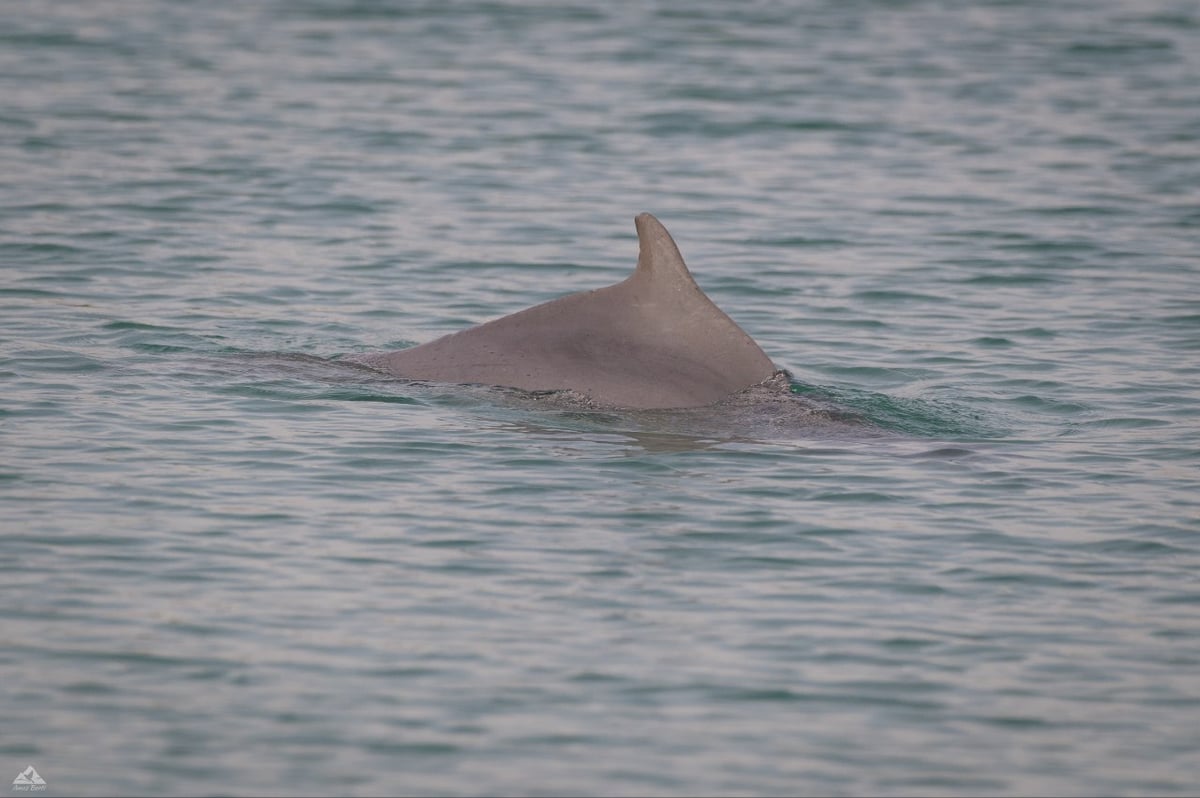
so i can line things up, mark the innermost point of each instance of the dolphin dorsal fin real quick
(651, 341)
(659, 262)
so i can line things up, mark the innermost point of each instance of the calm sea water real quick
(235, 565)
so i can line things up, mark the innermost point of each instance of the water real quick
(236, 565)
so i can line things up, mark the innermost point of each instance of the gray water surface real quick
(236, 564)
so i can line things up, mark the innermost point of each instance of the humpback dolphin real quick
(653, 340)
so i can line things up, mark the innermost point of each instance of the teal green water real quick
(234, 565)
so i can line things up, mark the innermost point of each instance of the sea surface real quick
(234, 563)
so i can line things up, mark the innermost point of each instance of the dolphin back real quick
(654, 340)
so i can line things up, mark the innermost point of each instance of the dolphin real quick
(651, 341)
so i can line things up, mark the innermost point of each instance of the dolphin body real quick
(653, 340)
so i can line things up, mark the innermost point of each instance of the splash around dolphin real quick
(651, 341)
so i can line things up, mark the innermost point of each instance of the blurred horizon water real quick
(238, 564)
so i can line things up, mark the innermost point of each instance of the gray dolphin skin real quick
(653, 340)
